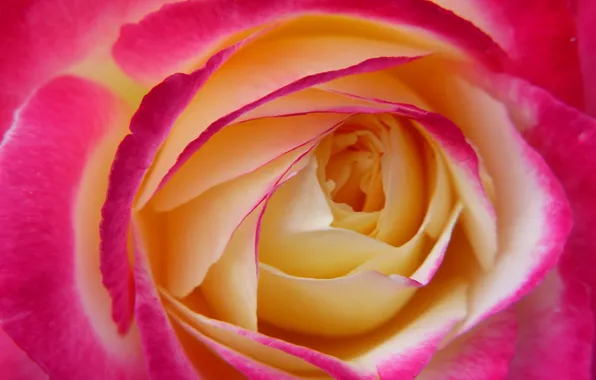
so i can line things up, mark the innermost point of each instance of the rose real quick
(481, 140)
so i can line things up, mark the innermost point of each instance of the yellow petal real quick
(230, 286)
(330, 307)
(240, 149)
(254, 72)
(198, 231)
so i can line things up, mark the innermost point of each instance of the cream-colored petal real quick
(330, 307)
(404, 185)
(252, 73)
(230, 286)
(431, 264)
(197, 232)
(240, 149)
(296, 237)
(230, 336)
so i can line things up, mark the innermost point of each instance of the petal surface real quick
(567, 141)
(15, 361)
(60, 128)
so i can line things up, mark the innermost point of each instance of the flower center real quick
(353, 171)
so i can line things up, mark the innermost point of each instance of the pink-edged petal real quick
(149, 127)
(555, 330)
(540, 38)
(585, 13)
(566, 139)
(483, 353)
(534, 216)
(15, 363)
(199, 231)
(43, 159)
(40, 38)
(158, 45)
(162, 350)
(368, 65)
(251, 368)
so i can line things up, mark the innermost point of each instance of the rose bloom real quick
(346, 189)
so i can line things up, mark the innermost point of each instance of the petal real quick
(157, 45)
(250, 367)
(199, 231)
(485, 352)
(556, 328)
(533, 214)
(15, 362)
(341, 306)
(586, 40)
(35, 49)
(252, 144)
(230, 286)
(540, 38)
(149, 126)
(567, 141)
(60, 129)
(261, 75)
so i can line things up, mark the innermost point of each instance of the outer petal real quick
(46, 306)
(41, 37)
(585, 12)
(156, 46)
(555, 323)
(149, 127)
(540, 38)
(483, 353)
(567, 141)
(15, 363)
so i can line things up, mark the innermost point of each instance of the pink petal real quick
(566, 139)
(540, 38)
(556, 327)
(44, 303)
(585, 13)
(169, 40)
(15, 362)
(34, 48)
(149, 126)
(162, 350)
(483, 353)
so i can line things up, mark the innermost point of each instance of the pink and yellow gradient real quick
(316, 189)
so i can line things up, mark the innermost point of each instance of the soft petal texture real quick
(483, 353)
(260, 76)
(585, 13)
(15, 363)
(555, 330)
(199, 231)
(567, 141)
(540, 38)
(149, 127)
(532, 211)
(34, 48)
(157, 46)
(59, 128)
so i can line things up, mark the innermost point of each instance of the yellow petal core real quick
(350, 234)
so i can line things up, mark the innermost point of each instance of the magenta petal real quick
(149, 127)
(164, 355)
(43, 306)
(40, 38)
(566, 139)
(586, 39)
(180, 33)
(483, 353)
(373, 64)
(15, 362)
(555, 323)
